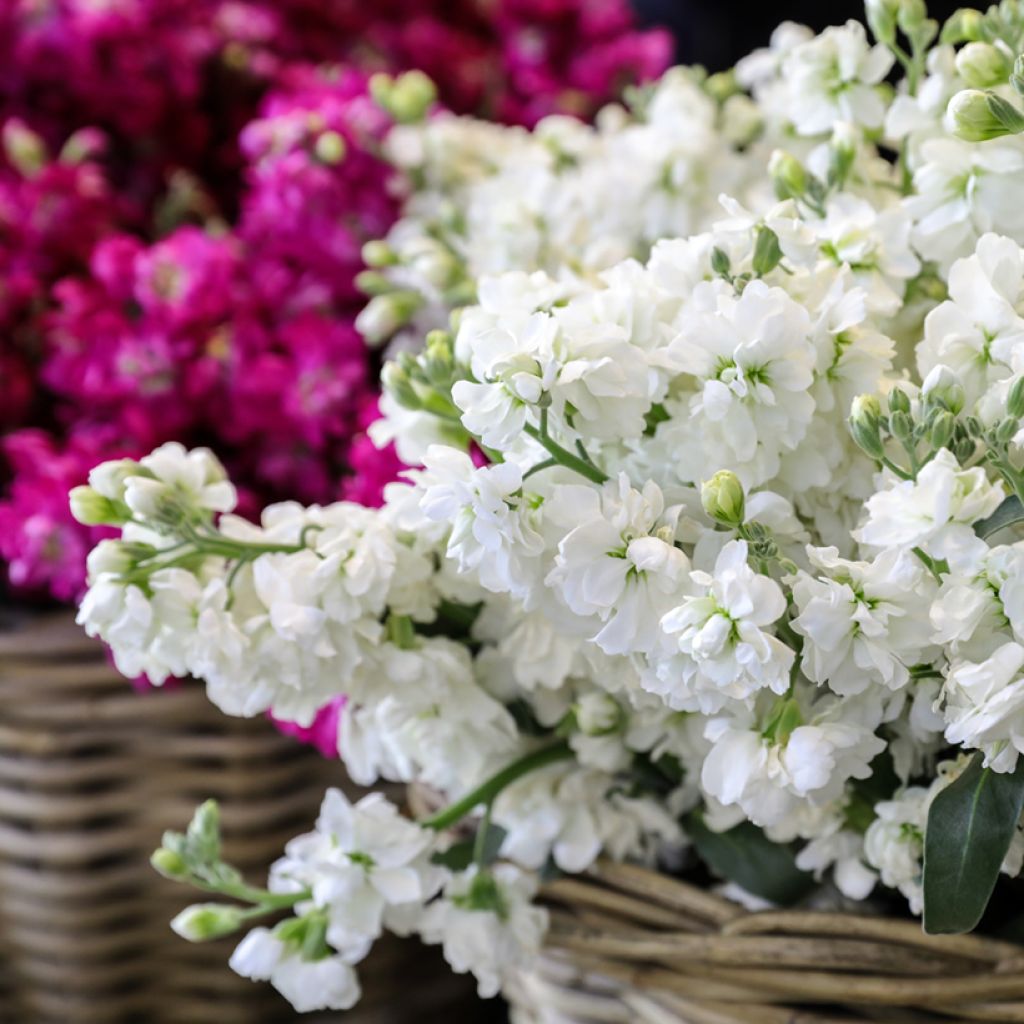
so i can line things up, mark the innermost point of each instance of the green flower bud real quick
(1007, 429)
(788, 175)
(1015, 399)
(395, 381)
(1017, 76)
(379, 254)
(169, 864)
(962, 26)
(901, 425)
(439, 358)
(941, 431)
(24, 149)
(722, 85)
(406, 98)
(330, 148)
(783, 719)
(979, 116)
(373, 282)
(898, 401)
(723, 498)
(720, 262)
(982, 65)
(881, 17)
(204, 921)
(91, 509)
(203, 835)
(865, 418)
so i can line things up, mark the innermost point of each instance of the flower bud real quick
(378, 253)
(942, 386)
(901, 425)
(911, 15)
(1017, 76)
(962, 26)
(169, 864)
(597, 714)
(406, 98)
(91, 509)
(1007, 429)
(899, 400)
(788, 175)
(396, 383)
(330, 148)
(203, 921)
(1015, 399)
(982, 65)
(385, 314)
(109, 478)
(865, 416)
(842, 151)
(109, 557)
(24, 149)
(373, 282)
(204, 830)
(439, 358)
(979, 116)
(881, 17)
(942, 428)
(723, 498)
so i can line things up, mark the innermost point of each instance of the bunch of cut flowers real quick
(710, 526)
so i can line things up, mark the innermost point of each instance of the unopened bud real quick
(385, 314)
(1015, 399)
(169, 864)
(941, 431)
(982, 65)
(865, 416)
(597, 714)
(723, 498)
(379, 254)
(962, 26)
(24, 149)
(373, 282)
(203, 921)
(330, 148)
(979, 116)
(396, 383)
(91, 509)
(899, 401)
(788, 175)
(881, 17)
(942, 386)
(406, 98)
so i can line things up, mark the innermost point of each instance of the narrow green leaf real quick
(459, 856)
(970, 826)
(1009, 512)
(744, 855)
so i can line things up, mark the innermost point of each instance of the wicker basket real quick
(90, 776)
(632, 946)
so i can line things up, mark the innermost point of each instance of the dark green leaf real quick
(459, 855)
(1009, 512)
(744, 855)
(970, 825)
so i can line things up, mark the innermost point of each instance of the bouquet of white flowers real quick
(701, 534)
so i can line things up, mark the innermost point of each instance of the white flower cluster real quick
(705, 533)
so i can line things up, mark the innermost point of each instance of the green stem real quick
(480, 842)
(488, 790)
(564, 457)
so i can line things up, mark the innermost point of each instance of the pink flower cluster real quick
(185, 190)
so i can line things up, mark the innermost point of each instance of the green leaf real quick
(459, 855)
(744, 855)
(1009, 513)
(970, 826)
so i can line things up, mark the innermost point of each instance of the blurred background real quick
(185, 188)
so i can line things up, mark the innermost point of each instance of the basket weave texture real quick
(91, 774)
(628, 944)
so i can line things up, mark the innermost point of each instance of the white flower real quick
(363, 863)
(752, 361)
(864, 622)
(177, 482)
(571, 815)
(935, 511)
(983, 705)
(721, 635)
(834, 77)
(620, 563)
(326, 984)
(894, 843)
(487, 925)
(769, 779)
(494, 526)
(979, 331)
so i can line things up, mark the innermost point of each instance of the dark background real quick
(718, 34)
